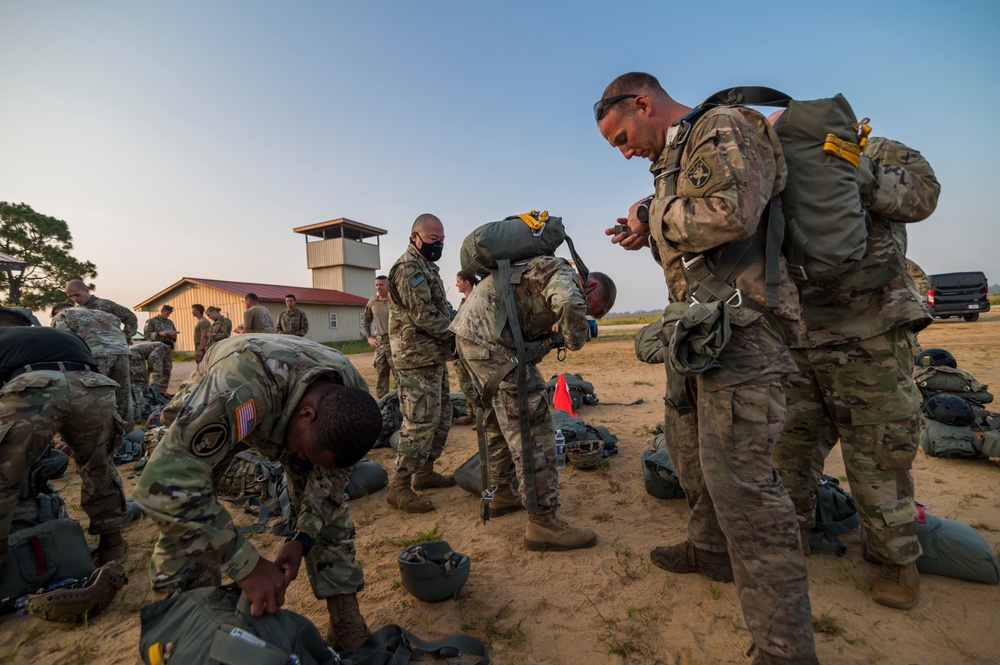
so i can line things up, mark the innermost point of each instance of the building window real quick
(333, 319)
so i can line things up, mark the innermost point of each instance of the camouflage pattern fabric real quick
(202, 327)
(502, 420)
(464, 381)
(418, 313)
(144, 356)
(243, 395)
(293, 323)
(547, 293)
(108, 346)
(425, 402)
(863, 394)
(154, 326)
(875, 295)
(921, 281)
(220, 330)
(375, 323)
(731, 167)
(129, 321)
(79, 406)
(257, 319)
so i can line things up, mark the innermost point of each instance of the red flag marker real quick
(562, 400)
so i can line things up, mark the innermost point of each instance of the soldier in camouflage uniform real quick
(742, 525)
(160, 328)
(102, 334)
(256, 318)
(465, 282)
(221, 328)
(375, 327)
(202, 326)
(293, 320)
(548, 292)
(50, 386)
(80, 293)
(296, 402)
(921, 282)
(856, 364)
(141, 358)
(421, 345)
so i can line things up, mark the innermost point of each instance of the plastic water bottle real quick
(560, 450)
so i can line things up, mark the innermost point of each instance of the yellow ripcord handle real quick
(846, 150)
(534, 219)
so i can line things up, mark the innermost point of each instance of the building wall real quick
(181, 299)
(341, 251)
(349, 279)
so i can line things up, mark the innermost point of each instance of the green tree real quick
(43, 243)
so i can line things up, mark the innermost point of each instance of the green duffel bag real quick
(213, 626)
(988, 444)
(459, 406)
(940, 440)
(41, 555)
(467, 477)
(952, 549)
(516, 238)
(649, 347)
(938, 379)
(367, 477)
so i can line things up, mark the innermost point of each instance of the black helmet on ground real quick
(935, 358)
(950, 410)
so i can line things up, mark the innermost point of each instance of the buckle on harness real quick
(489, 493)
(678, 133)
(693, 262)
(798, 273)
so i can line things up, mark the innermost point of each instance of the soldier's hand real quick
(289, 559)
(265, 586)
(630, 241)
(372, 342)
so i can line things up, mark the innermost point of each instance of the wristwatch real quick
(304, 538)
(642, 212)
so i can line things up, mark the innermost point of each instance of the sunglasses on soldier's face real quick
(602, 105)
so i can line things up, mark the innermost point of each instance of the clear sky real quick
(188, 138)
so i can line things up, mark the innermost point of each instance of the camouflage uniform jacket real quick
(920, 279)
(547, 293)
(97, 328)
(242, 394)
(897, 186)
(293, 323)
(141, 356)
(220, 330)
(258, 320)
(124, 314)
(377, 315)
(155, 325)
(418, 313)
(201, 329)
(729, 170)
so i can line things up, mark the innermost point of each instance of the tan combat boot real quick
(404, 498)
(427, 478)
(111, 548)
(505, 502)
(348, 630)
(545, 531)
(897, 586)
(686, 558)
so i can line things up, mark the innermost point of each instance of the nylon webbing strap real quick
(772, 266)
(677, 395)
(528, 470)
(581, 267)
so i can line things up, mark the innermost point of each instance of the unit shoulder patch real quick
(698, 173)
(209, 440)
(907, 155)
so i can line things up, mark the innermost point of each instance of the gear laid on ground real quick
(76, 602)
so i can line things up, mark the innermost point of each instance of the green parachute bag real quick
(940, 440)
(41, 555)
(515, 238)
(938, 379)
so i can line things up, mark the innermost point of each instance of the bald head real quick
(427, 223)
(77, 291)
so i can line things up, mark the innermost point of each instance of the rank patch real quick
(246, 419)
(416, 279)
(907, 156)
(209, 440)
(698, 173)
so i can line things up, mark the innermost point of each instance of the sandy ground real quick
(607, 604)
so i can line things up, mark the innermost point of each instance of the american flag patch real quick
(246, 419)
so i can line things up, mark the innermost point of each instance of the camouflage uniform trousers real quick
(467, 386)
(722, 453)
(502, 421)
(425, 402)
(383, 365)
(162, 371)
(80, 406)
(117, 369)
(332, 568)
(862, 393)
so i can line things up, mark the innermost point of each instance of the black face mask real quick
(430, 250)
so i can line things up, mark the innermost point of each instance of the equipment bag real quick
(818, 221)
(213, 626)
(40, 555)
(940, 440)
(952, 549)
(658, 473)
(577, 429)
(515, 238)
(836, 513)
(367, 477)
(459, 405)
(581, 391)
(38, 502)
(938, 379)
(468, 477)
(249, 475)
(392, 418)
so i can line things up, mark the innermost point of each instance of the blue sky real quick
(189, 138)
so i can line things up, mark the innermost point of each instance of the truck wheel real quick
(971, 317)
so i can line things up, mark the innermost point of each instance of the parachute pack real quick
(818, 221)
(515, 238)
(955, 420)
